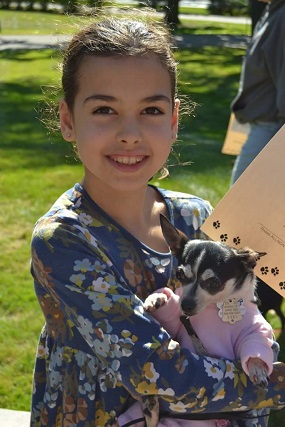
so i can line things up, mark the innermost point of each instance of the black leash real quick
(200, 349)
(133, 422)
(234, 416)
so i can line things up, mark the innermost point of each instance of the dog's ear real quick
(249, 257)
(260, 254)
(175, 238)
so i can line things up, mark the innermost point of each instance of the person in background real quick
(99, 251)
(256, 9)
(261, 97)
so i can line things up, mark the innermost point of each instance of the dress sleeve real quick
(99, 312)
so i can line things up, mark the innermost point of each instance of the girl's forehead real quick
(128, 71)
(115, 63)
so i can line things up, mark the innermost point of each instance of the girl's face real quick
(124, 121)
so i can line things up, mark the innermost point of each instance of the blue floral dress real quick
(98, 350)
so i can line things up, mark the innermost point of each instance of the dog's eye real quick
(180, 274)
(212, 285)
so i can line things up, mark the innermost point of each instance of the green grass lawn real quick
(22, 22)
(36, 168)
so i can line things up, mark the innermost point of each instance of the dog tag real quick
(231, 310)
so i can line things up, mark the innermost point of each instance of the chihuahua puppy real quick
(210, 271)
(214, 273)
(219, 304)
(214, 312)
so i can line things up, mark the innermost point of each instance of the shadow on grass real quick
(25, 141)
(21, 55)
(212, 90)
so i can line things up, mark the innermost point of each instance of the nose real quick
(129, 131)
(188, 305)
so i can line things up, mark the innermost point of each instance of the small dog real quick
(212, 273)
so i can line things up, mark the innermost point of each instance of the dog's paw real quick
(154, 301)
(257, 371)
(151, 411)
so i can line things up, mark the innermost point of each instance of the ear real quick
(175, 119)
(249, 257)
(175, 239)
(260, 254)
(66, 122)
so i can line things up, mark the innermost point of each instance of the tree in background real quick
(172, 13)
(252, 8)
(228, 7)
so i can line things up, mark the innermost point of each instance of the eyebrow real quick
(156, 98)
(108, 98)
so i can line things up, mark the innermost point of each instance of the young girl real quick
(99, 251)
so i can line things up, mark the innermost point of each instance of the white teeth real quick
(127, 160)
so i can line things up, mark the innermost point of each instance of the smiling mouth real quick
(127, 160)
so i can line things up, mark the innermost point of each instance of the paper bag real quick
(235, 137)
(252, 213)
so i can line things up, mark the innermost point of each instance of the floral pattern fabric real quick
(98, 351)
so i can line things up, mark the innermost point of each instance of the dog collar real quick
(231, 310)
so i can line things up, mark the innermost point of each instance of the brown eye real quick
(153, 111)
(103, 110)
(212, 285)
(180, 274)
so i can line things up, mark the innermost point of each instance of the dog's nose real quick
(188, 306)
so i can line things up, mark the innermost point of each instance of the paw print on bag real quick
(236, 240)
(282, 286)
(264, 270)
(216, 224)
(223, 237)
(275, 271)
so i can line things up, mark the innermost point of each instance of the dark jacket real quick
(261, 95)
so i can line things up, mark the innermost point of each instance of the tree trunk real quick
(171, 13)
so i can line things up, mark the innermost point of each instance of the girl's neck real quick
(138, 212)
